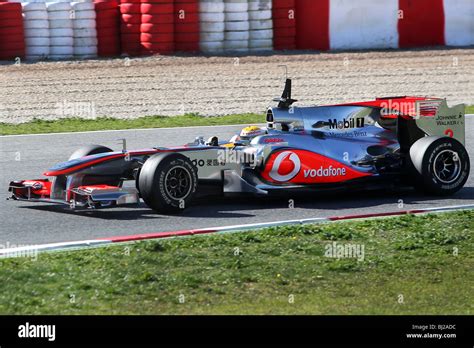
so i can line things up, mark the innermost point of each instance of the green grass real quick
(410, 256)
(105, 123)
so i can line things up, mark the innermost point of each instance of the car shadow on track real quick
(138, 212)
(125, 213)
(406, 199)
(245, 207)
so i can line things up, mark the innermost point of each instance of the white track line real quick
(268, 224)
(32, 250)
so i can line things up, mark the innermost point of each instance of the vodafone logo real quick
(286, 166)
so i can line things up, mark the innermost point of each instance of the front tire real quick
(89, 150)
(441, 165)
(168, 182)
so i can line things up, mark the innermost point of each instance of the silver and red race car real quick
(416, 141)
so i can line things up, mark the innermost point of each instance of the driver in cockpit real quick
(244, 138)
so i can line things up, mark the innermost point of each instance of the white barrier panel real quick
(60, 24)
(459, 22)
(211, 18)
(36, 24)
(363, 24)
(85, 32)
(260, 11)
(236, 25)
(260, 5)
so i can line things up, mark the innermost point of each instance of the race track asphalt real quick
(26, 157)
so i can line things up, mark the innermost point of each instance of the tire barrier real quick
(85, 32)
(211, 18)
(61, 32)
(237, 26)
(312, 25)
(284, 24)
(36, 24)
(130, 21)
(157, 27)
(12, 43)
(260, 16)
(186, 25)
(108, 27)
(60, 29)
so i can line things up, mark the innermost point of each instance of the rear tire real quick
(168, 182)
(441, 165)
(89, 150)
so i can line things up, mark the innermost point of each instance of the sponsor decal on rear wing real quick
(434, 117)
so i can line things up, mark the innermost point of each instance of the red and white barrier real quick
(135, 27)
(382, 24)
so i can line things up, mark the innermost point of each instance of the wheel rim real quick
(178, 182)
(447, 166)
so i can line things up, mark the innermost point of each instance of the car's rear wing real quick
(434, 117)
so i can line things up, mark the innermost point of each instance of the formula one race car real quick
(390, 141)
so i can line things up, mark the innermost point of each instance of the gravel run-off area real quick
(175, 85)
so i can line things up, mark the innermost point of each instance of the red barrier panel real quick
(186, 25)
(130, 22)
(420, 23)
(157, 23)
(108, 27)
(312, 24)
(284, 24)
(12, 36)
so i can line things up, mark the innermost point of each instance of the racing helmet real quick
(250, 132)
